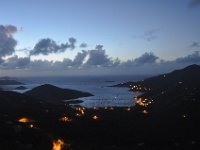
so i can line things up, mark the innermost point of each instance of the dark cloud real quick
(83, 45)
(7, 42)
(195, 44)
(98, 57)
(16, 62)
(80, 57)
(48, 46)
(1, 61)
(91, 62)
(95, 57)
(146, 58)
(72, 42)
(194, 3)
(40, 65)
(62, 65)
(190, 59)
(99, 47)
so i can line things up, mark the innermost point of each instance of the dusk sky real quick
(67, 37)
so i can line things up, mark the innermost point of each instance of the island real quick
(9, 81)
(51, 93)
(20, 88)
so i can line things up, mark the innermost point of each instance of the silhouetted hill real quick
(14, 106)
(18, 104)
(188, 75)
(20, 88)
(49, 92)
(8, 81)
(175, 93)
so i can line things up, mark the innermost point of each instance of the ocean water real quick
(96, 85)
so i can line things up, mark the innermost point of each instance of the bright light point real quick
(95, 117)
(65, 119)
(145, 112)
(24, 120)
(58, 144)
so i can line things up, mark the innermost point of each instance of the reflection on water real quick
(109, 97)
(107, 103)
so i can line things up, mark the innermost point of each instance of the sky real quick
(100, 37)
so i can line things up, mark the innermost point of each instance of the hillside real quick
(188, 75)
(173, 93)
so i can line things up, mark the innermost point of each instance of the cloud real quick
(80, 57)
(98, 57)
(194, 3)
(40, 65)
(72, 42)
(190, 59)
(15, 62)
(86, 62)
(194, 45)
(47, 46)
(94, 57)
(7, 42)
(99, 47)
(1, 61)
(83, 45)
(145, 64)
(146, 58)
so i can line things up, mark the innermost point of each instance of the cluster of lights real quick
(139, 88)
(81, 112)
(29, 122)
(108, 108)
(65, 119)
(143, 102)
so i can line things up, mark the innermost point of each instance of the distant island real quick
(109, 81)
(52, 93)
(9, 81)
(20, 88)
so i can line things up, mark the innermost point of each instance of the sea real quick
(100, 86)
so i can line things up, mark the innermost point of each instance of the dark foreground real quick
(164, 118)
(105, 128)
